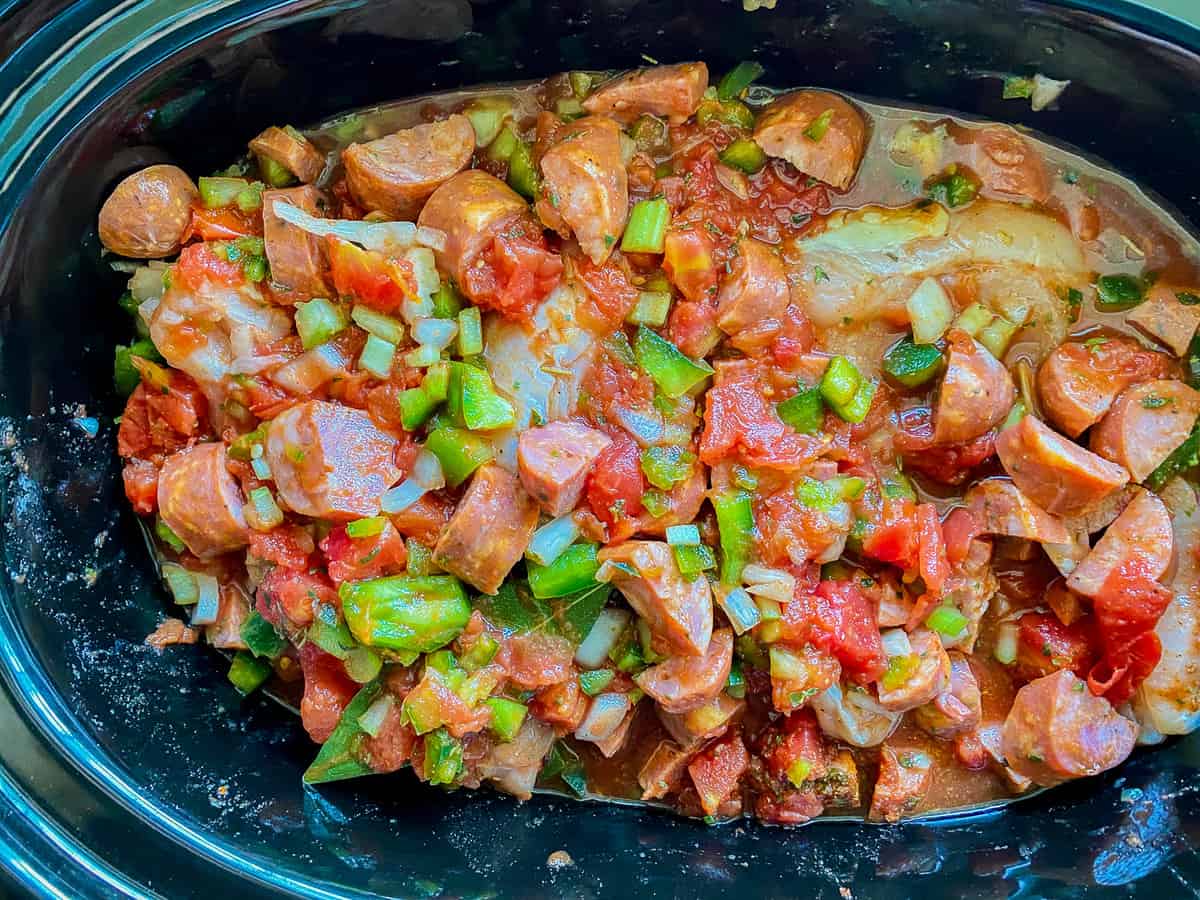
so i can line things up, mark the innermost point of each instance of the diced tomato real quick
(288, 546)
(200, 264)
(1045, 645)
(947, 463)
(799, 739)
(611, 381)
(1127, 609)
(327, 691)
(689, 264)
(740, 424)
(692, 327)
(535, 660)
(838, 618)
(1119, 673)
(717, 771)
(164, 413)
(294, 593)
(562, 704)
(392, 745)
(610, 294)
(263, 398)
(958, 530)
(378, 281)
(355, 559)
(796, 337)
(615, 486)
(931, 553)
(433, 701)
(514, 275)
(425, 519)
(226, 223)
(141, 485)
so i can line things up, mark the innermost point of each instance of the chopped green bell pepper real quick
(417, 404)
(744, 154)
(443, 757)
(523, 175)
(804, 411)
(674, 373)
(912, 365)
(665, 467)
(573, 571)
(472, 401)
(1117, 293)
(260, 636)
(404, 612)
(247, 673)
(647, 228)
(507, 717)
(735, 522)
(318, 320)
(470, 331)
(459, 452)
(846, 391)
(595, 681)
(446, 301)
(738, 79)
(338, 757)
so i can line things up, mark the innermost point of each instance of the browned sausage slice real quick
(1007, 163)
(554, 460)
(201, 501)
(930, 678)
(291, 150)
(904, 778)
(755, 289)
(678, 611)
(147, 214)
(958, 708)
(1145, 424)
(1142, 533)
(975, 395)
(489, 531)
(818, 132)
(1166, 319)
(1000, 508)
(1056, 474)
(682, 683)
(1058, 730)
(330, 461)
(587, 185)
(1079, 380)
(662, 771)
(673, 92)
(470, 208)
(396, 173)
(295, 255)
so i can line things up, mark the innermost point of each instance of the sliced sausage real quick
(330, 461)
(1056, 474)
(662, 772)
(296, 258)
(489, 531)
(146, 215)
(1165, 319)
(1000, 508)
(958, 708)
(1079, 381)
(678, 611)
(672, 92)
(832, 148)
(291, 150)
(905, 775)
(554, 461)
(931, 677)
(1145, 424)
(1141, 533)
(1007, 163)
(982, 748)
(514, 766)
(397, 173)
(755, 289)
(682, 683)
(587, 185)
(470, 208)
(975, 395)
(201, 502)
(1058, 730)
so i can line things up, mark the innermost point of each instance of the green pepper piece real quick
(276, 174)
(738, 79)
(804, 411)
(507, 717)
(649, 133)
(860, 404)
(692, 560)
(459, 452)
(727, 112)
(523, 175)
(1185, 456)
(912, 365)
(595, 681)
(218, 191)
(318, 320)
(403, 612)
(735, 686)
(507, 141)
(260, 636)
(247, 673)
(1191, 361)
(472, 401)
(846, 391)
(735, 523)
(647, 228)
(447, 302)
(627, 652)
(481, 652)
(125, 375)
(443, 757)
(744, 154)
(664, 467)
(674, 373)
(338, 756)
(1117, 293)
(573, 571)
(953, 189)
(167, 536)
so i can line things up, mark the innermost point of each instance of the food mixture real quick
(749, 452)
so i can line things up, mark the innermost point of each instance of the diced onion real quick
(646, 430)
(552, 539)
(208, 606)
(402, 496)
(434, 332)
(895, 642)
(381, 236)
(181, 583)
(372, 720)
(602, 638)
(603, 717)
(739, 609)
(774, 584)
(930, 311)
(683, 535)
(1005, 650)
(425, 273)
(146, 284)
(262, 470)
(427, 471)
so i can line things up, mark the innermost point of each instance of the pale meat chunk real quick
(397, 173)
(1058, 730)
(662, 772)
(291, 150)
(905, 775)
(296, 257)
(976, 392)
(1162, 316)
(755, 289)
(683, 683)
(818, 132)
(201, 502)
(1055, 473)
(678, 611)
(330, 461)
(490, 530)
(1000, 508)
(554, 461)
(958, 708)
(1141, 535)
(931, 677)
(671, 92)
(1146, 423)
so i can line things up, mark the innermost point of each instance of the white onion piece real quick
(603, 717)
(208, 607)
(311, 369)
(402, 496)
(602, 638)
(646, 429)
(381, 236)
(741, 611)
(372, 720)
(433, 238)
(1045, 91)
(434, 332)
(895, 642)
(759, 574)
(425, 272)
(146, 284)
(774, 584)
(552, 539)
(427, 471)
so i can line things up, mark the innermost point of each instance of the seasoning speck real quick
(559, 859)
